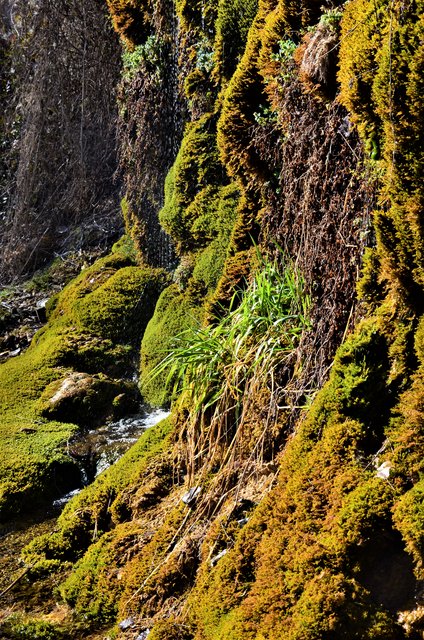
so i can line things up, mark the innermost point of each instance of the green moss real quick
(96, 321)
(105, 500)
(196, 169)
(175, 312)
(125, 246)
(409, 519)
(93, 589)
(368, 287)
(381, 63)
(23, 628)
(232, 25)
(169, 630)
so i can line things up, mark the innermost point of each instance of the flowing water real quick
(95, 451)
(98, 449)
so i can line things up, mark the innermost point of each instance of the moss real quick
(368, 287)
(97, 506)
(380, 58)
(169, 630)
(232, 25)
(131, 19)
(92, 589)
(196, 170)
(174, 313)
(409, 519)
(24, 628)
(100, 314)
(302, 543)
(90, 400)
(125, 246)
(105, 579)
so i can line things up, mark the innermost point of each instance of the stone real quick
(87, 400)
(126, 624)
(191, 495)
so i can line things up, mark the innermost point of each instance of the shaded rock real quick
(87, 400)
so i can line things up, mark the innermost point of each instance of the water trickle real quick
(98, 449)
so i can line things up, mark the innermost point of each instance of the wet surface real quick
(98, 449)
(95, 451)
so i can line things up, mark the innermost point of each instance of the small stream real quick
(98, 449)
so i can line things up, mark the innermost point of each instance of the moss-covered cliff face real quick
(77, 371)
(283, 497)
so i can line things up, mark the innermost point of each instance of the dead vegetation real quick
(59, 133)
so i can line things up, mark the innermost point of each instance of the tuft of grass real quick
(213, 367)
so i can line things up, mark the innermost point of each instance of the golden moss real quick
(381, 62)
(131, 19)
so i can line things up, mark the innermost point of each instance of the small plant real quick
(284, 56)
(215, 367)
(331, 19)
(266, 325)
(285, 51)
(150, 53)
(205, 56)
(265, 116)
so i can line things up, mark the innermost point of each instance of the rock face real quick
(283, 497)
(88, 400)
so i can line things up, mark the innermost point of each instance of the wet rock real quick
(87, 400)
(126, 624)
(190, 497)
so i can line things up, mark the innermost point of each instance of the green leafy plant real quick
(150, 53)
(265, 116)
(205, 56)
(331, 18)
(284, 56)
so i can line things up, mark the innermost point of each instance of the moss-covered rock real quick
(88, 399)
(95, 325)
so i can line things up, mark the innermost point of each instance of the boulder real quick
(88, 400)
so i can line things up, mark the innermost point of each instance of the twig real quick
(3, 593)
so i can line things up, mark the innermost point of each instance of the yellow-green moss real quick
(196, 168)
(96, 321)
(102, 503)
(174, 313)
(381, 76)
(232, 25)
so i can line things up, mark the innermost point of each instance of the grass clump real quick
(214, 366)
(254, 334)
